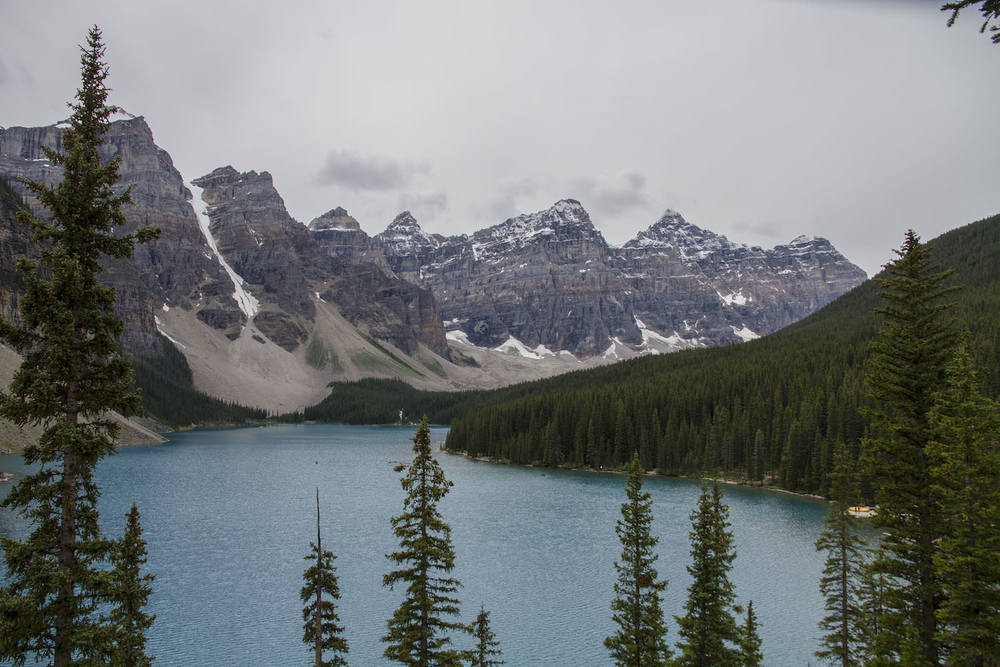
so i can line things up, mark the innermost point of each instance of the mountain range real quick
(267, 311)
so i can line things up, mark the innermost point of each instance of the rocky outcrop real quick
(287, 266)
(177, 268)
(691, 281)
(543, 278)
(550, 281)
(282, 265)
(342, 237)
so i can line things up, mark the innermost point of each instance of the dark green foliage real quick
(749, 643)
(773, 409)
(843, 568)
(708, 631)
(374, 401)
(906, 370)
(641, 638)
(169, 395)
(990, 9)
(417, 631)
(965, 460)
(874, 647)
(131, 590)
(71, 375)
(487, 650)
(320, 629)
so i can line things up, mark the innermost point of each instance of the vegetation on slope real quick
(170, 397)
(771, 410)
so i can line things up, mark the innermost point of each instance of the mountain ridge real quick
(236, 283)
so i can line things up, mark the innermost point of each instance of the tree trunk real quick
(63, 653)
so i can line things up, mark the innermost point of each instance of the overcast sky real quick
(757, 119)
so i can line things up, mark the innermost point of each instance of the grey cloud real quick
(4, 73)
(505, 205)
(759, 227)
(366, 172)
(616, 198)
(424, 207)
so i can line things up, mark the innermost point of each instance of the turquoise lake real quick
(228, 516)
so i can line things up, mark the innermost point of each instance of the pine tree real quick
(708, 629)
(131, 593)
(873, 647)
(749, 640)
(70, 377)
(842, 570)
(418, 628)
(905, 371)
(642, 630)
(320, 629)
(965, 455)
(990, 9)
(487, 651)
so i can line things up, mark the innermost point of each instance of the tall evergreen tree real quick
(842, 570)
(708, 629)
(320, 629)
(749, 640)
(905, 371)
(418, 628)
(965, 455)
(130, 593)
(71, 375)
(487, 650)
(641, 638)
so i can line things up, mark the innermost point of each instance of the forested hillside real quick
(770, 410)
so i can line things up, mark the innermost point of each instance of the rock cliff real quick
(177, 268)
(550, 281)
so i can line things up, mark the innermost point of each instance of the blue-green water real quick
(228, 516)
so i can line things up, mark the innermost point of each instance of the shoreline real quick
(719, 480)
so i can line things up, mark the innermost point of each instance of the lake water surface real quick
(228, 516)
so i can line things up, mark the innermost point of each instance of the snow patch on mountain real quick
(737, 298)
(514, 347)
(458, 336)
(654, 342)
(744, 333)
(247, 302)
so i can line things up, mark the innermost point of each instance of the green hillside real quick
(772, 409)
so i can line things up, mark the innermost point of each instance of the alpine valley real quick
(267, 311)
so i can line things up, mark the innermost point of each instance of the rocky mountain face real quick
(546, 279)
(287, 268)
(551, 281)
(178, 268)
(695, 284)
(247, 249)
(247, 292)
(342, 237)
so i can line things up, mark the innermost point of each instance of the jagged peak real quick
(405, 232)
(335, 218)
(218, 176)
(571, 210)
(405, 219)
(673, 231)
(803, 239)
(224, 176)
